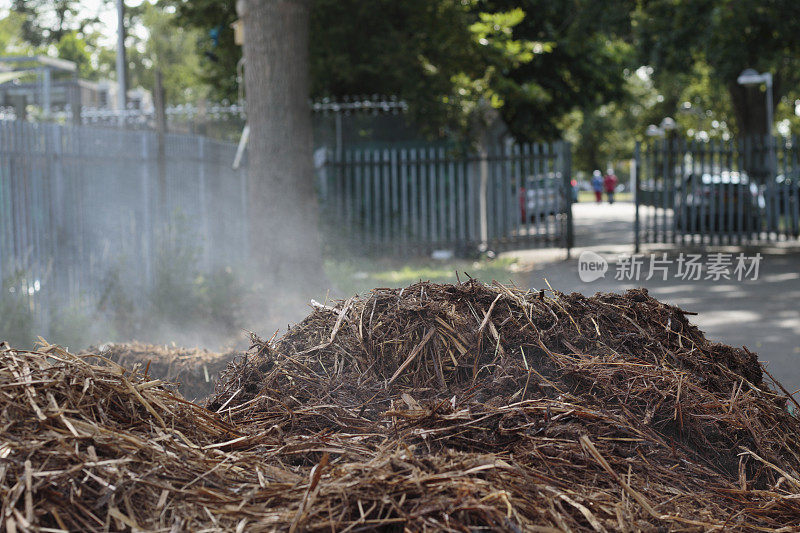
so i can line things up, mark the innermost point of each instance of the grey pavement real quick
(762, 314)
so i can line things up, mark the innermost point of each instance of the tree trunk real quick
(283, 204)
(750, 108)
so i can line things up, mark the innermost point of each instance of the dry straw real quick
(435, 407)
(194, 370)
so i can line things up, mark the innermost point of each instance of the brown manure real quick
(431, 408)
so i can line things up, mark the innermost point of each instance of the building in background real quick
(49, 87)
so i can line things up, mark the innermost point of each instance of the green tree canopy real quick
(213, 41)
(595, 72)
(590, 52)
(170, 48)
(534, 59)
(727, 36)
(443, 58)
(61, 28)
(47, 22)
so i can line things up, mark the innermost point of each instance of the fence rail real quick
(427, 198)
(78, 203)
(82, 206)
(719, 192)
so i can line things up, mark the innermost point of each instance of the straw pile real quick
(458, 408)
(193, 370)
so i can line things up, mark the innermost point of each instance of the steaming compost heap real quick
(434, 407)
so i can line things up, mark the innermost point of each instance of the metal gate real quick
(419, 199)
(80, 205)
(717, 192)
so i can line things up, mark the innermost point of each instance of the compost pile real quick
(194, 371)
(435, 407)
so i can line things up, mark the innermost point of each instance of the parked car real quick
(722, 202)
(782, 197)
(784, 192)
(541, 197)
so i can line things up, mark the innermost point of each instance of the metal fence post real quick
(566, 163)
(244, 182)
(56, 211)
(146, 215)
(3, 207)
(483, 156)
(636, 195)
(202, 161)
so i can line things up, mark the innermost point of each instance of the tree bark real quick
(750, 109)
(283, 203)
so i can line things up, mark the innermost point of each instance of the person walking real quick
(597, 185)
(610, 184)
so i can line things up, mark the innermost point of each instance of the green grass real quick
(359, 277)
(588, 197)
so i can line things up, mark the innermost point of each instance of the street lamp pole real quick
(773, 156)
(768, 82)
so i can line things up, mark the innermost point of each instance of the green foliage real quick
(727, 36)
(590, 51)
(736, 34)
(61, 28)
(207, 308)
(170, 48)
(217, 61)
(704, 104)
(552, 69)
(181, 298)
(174, 296)
(182, 303)
(351, 277)
(536, 60)
(499, 53)
(444, 58)
(48, 21)
(11, 39)
(73, 48)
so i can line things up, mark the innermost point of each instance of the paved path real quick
(762, 314)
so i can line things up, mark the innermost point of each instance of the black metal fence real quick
(418, 199)
(718, 192)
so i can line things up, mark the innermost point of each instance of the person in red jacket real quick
(610, 184)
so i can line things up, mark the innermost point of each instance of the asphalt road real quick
(762, 314)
